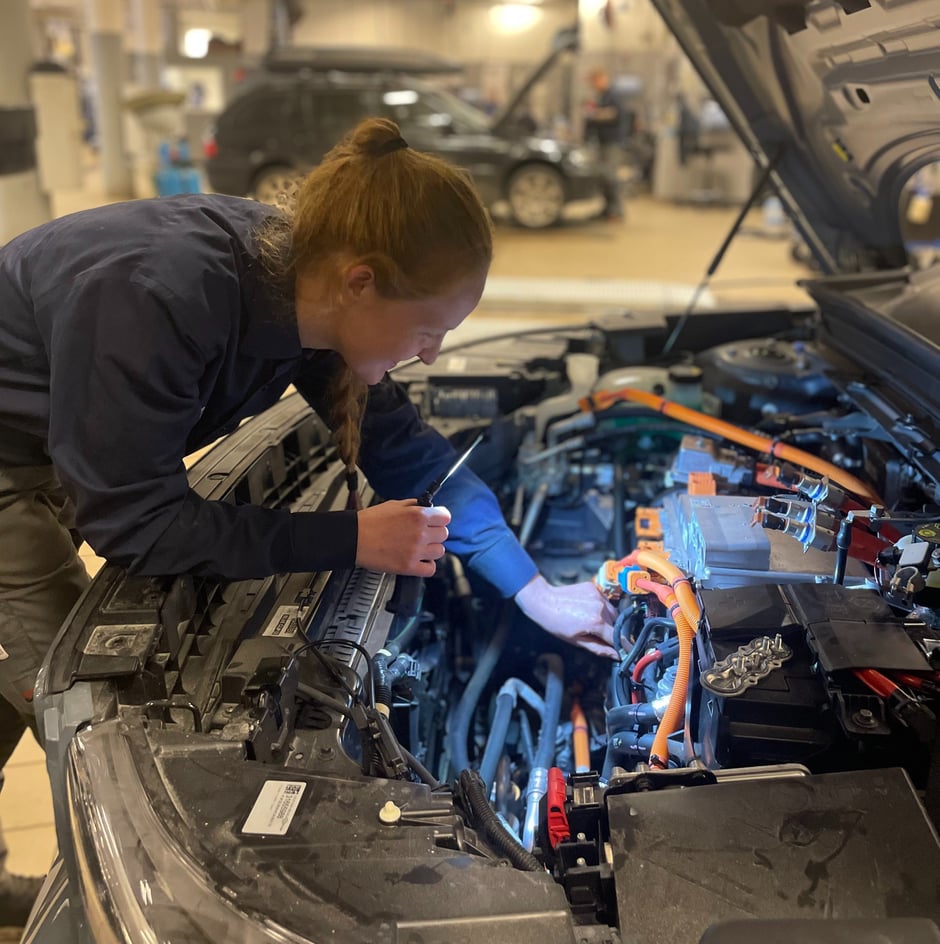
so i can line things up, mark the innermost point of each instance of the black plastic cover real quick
(837, 846)
(886, 931)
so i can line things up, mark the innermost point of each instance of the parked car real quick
(296, 110)
(762, 762)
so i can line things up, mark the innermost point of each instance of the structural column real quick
(147, 25)
(257, 22)
(22, 203)
(104, 20)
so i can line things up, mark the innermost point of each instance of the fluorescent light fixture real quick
(514, 17)
(196, 43)
(400, 97)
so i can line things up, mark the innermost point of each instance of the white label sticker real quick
(274, 809)
(284, 622)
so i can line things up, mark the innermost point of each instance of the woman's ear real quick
(358, 279)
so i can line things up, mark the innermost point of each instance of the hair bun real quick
(375, 137)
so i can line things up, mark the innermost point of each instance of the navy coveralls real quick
(132, 335)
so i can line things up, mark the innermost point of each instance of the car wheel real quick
(271, 183)
(536, 195)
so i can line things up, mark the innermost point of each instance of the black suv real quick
(288, 119)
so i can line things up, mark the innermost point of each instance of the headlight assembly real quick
(577, 157)
(138, 885)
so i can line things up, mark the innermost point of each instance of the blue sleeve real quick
(401, 455)
(128, 365)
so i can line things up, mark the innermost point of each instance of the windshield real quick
(417, 103)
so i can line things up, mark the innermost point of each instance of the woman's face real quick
(373, 334)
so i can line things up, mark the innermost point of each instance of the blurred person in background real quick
(604, 126)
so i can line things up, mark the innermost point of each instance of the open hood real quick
(843, 97)
(565, 40)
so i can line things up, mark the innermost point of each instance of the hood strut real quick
(723, 249)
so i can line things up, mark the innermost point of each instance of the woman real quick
(134, 334)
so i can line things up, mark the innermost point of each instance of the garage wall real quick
(462, 29)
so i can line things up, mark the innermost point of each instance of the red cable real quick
(878, 683)
(638, 670)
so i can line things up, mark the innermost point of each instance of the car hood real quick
(843, 98)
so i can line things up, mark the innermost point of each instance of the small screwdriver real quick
(427, 498)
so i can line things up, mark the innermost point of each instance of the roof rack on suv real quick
(357, 59)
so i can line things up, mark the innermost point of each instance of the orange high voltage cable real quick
(581, 738)
(604, 399)
(659, 754)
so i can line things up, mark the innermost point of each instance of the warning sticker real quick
(274, 809)
(285, 622)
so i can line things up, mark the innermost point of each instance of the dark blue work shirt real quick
(132, 335)
(608, 130)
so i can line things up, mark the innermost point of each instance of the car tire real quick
(272, 182)
(536, 195)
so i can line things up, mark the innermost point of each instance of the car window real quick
(333, 112)
(417, 109)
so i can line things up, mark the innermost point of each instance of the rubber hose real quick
(554, 691)
(397, 645)
(626, 716)
(639, 647)
(463, 715)
(619, 623)
(620, 521)
(631, 745)
(497, 739)
(420, 769)
(619, 692)
(383, 685)
(485, 816)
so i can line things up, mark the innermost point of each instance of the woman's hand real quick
(575, 612)
(401, 537)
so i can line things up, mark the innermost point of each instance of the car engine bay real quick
(364, 757)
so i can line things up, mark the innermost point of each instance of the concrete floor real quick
(660, 252)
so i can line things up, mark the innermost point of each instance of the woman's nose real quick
(428, 355)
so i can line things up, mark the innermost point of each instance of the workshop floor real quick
(655, 257)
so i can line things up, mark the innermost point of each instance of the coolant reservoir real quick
(684, 385)
(652, 379)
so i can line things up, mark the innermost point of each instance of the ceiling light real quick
(514, 17)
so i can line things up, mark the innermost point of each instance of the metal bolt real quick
(229, 709)
(864, 718)
(298, 755)
(580, 861)
(326, 751)
(581, 837)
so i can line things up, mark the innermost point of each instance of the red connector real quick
(558, 828)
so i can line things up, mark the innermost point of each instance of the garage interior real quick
(585, 267)
(129, 90)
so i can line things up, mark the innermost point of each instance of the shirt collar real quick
(271, 331)
(272, 337)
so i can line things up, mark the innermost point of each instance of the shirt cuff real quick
(506, 565)
(324, 540)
